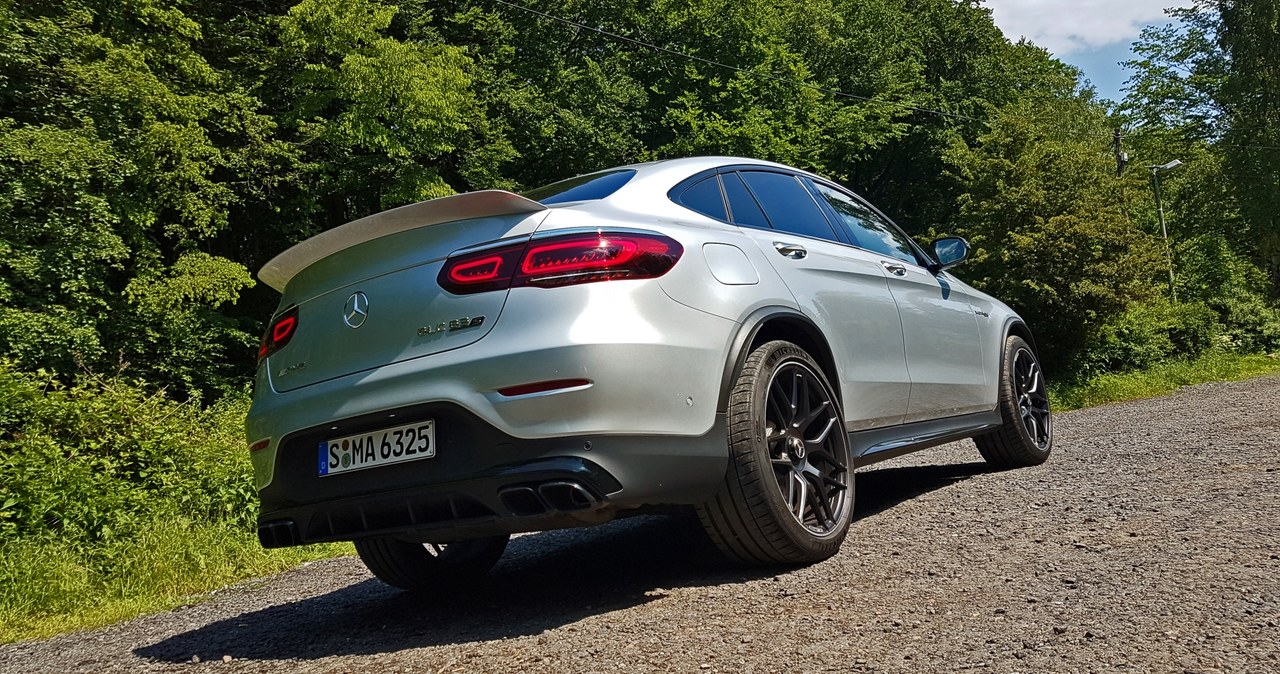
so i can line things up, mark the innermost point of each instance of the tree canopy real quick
(154, 152)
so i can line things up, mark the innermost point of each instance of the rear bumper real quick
(655, 368)
(481, 481)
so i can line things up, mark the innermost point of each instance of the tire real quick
(788, 493)
(430, 567)
(1025, 435)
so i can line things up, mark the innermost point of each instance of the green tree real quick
(117, 151)
(1045, 212)
(1250, 36)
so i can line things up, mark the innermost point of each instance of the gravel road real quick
(1150, 542)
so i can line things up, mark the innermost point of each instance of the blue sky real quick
(1093, 35)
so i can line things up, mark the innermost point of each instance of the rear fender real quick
(766, 324)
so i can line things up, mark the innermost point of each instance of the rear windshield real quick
(581, 188)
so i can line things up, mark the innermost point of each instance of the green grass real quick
(1161, 379)
(47, 587)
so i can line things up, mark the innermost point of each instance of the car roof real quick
(660, 176)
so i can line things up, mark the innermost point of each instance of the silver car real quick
(723, 333)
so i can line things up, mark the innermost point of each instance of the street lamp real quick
(1164, 231)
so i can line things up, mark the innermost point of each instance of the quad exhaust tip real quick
(556, 496)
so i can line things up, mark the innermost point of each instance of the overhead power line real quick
(777, 78)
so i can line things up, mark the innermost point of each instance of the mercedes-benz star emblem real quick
(356, 310)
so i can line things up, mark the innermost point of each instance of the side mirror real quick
(949, 252)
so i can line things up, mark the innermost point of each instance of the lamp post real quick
(1164, 231)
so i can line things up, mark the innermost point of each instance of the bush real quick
(1150, 333)
(1211, 272)
(91, 462)
(1251, 324)
(115, 501)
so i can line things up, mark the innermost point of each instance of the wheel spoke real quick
(813, 415)
(822, 437)
(782, 407)
(795, 397)
(774, 410)
(802, 497)
(803, 401)
(819, 503)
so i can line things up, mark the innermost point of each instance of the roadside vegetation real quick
(1160, 379)
(118, 501)
(154, 153)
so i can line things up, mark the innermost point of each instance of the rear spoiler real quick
(487, 203)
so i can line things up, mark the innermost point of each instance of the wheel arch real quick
(1015, 326)
(772, 323)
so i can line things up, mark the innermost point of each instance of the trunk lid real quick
(367, 294)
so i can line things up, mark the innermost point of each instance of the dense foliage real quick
(154, 152)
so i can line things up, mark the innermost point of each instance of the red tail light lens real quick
(278, 333)
(562, 260)
(480, 272)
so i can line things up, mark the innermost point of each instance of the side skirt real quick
(878, 444)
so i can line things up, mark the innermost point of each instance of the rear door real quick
(844, 290)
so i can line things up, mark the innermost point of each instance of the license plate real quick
(378, 448)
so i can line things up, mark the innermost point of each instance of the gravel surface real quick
(1150, 541)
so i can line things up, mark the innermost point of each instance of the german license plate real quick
(378, 448)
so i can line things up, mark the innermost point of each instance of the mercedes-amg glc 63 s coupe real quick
(723, 333)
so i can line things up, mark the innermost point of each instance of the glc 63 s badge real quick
(455, 324)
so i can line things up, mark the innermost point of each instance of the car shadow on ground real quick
(544, 581)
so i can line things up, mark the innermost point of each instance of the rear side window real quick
(788, 204)
(582, 188)
(704, 197)
(866, 228)
(742, 205)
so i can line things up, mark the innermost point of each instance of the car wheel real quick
(1025, 436)
(788, 492)
(430, 567)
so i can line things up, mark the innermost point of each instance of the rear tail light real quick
(560, 261)
(279, 333)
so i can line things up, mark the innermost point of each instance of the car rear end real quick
(464, 371)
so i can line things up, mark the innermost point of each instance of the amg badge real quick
(449, 326)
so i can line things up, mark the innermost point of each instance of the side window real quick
(866, 228)
(788, 204)
(743, 206)
(704, 197)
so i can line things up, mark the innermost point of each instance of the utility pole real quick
(1164, 231)
(1122, 157)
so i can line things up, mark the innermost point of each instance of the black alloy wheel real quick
(810, 463)
(1025, 434)
(1033, 400)
(788, 493)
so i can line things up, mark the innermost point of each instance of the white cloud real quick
(1069, 26)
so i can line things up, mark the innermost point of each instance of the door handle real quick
(791, 250)
(895, 268)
